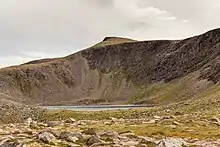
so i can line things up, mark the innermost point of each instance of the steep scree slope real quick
(119, 70)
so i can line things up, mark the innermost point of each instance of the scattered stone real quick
(72, 145)
(12, 144)
(64, 135)
(71, 137)
(42, 125)
(90, 131)
(130, 143)
(108, 134)
(173, 117)
(176, 123)
(70, 120)
(172, 142)
(215, 120)
(108, 123)
(19, 134)
(166, 117)
(12, 125)
(102, 144)
(17, 131)
(178, 113)
(129, 135)
(46, 137)
(54, 123)
(153, 121)
(157, 117)
(142, 145)
(92, 140)
(28, 121)
(122, 120)
(55, 133)
(34, 144)
(123, 132)
(204, 143)
(28, 131)
(81, 123)
(147, 141)
(78, 135)
(113, 119)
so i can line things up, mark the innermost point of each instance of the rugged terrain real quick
(120, 71)
(77, 133)
(180, 78)
(193, 123)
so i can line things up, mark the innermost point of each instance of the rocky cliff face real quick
(119, 70)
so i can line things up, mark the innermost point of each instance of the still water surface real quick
(95, 107)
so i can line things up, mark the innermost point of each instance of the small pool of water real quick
(94, 107)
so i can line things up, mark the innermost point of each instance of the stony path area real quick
(72, 133)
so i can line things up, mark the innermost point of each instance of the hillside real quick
(120, 71)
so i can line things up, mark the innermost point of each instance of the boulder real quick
(113, 119)
(178, 113)
(172, 142)
(46, 137)
(92, 140)
(147, 141)
(90, 131)
(70, 120)
(12, 144)
(28, 121)
(71, 137)
(54, 123)
(56, 133)
(108, 134)
(128, 134)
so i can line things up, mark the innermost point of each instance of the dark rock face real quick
(151, 61)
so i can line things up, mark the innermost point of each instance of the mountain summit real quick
(119, 71)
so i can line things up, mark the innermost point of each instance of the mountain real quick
(119, 71)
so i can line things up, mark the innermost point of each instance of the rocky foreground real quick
(93, 133)
(185, 124)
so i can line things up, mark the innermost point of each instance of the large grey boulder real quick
(172, 142)
(71, 137)
(46, 137)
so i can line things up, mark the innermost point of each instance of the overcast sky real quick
(35, 29)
